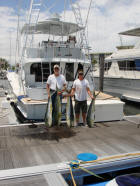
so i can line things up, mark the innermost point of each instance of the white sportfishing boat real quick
(122, 71)
(67, 46)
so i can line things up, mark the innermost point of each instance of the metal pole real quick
(101, 72)
(10, 34)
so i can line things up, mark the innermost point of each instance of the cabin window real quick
(127, 65)
(41, 71)
(107, 66)
(69, 71)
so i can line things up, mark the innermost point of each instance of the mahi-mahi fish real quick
(91, 112)
(69, 112)
(57, 109)
(48, 114)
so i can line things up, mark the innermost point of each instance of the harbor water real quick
(130, 108)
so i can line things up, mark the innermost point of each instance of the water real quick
(130, 108)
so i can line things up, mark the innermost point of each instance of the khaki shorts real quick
(80, 105)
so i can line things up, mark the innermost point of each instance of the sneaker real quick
(77, 125)
(85, 125)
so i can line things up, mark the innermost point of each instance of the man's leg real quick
(77, 117)
(84, 117)
(84, 111)
(77, 111)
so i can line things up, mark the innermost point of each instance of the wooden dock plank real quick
(30, 181)
(24, 146)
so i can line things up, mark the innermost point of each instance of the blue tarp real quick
(137, 63)
(98, 184)
(128, 179)
(22, 96)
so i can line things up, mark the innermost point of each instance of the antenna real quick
(32, 19)
(78, 18)
(121, 40)
(10, 35)
(17, 37)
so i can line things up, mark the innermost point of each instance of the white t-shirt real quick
(81, 89)
(54, 81)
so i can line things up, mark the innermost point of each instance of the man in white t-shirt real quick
(80, 89)
(55, 80)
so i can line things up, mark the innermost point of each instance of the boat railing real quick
(58, 52)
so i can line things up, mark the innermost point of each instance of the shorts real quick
(80, 105)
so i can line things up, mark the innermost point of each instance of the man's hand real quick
(59, 93)
(49, 96)
(90, 94)
(67, 95)
(92, 97)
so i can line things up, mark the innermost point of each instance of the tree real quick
(3, 64)
(94, 61)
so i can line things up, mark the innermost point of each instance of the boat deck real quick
(101, 96)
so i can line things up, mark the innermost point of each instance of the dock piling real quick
(101, 72)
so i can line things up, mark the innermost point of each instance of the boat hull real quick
(127, 89)
(103, 108)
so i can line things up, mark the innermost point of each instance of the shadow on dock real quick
(43, 133)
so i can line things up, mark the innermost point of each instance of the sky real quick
(106, 19)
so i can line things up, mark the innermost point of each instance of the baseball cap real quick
(80, 72)
(56, 66)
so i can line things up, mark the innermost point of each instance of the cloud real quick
(8, 24)
(106, 19)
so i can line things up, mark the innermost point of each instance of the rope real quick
(76, 164)
(91, 173)
(74, 183)
(112, 157)
(5, 113)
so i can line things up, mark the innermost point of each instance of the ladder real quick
(32, 19)
(78, 18)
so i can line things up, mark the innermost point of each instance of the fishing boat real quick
(122, 71)
(67, 46)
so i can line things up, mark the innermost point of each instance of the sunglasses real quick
(81, 74)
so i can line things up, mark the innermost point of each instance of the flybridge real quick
(132, 32)
(52, 26)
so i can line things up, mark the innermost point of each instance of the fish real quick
(57, 109)
(48, 114)
(91, 112)
(69, 112)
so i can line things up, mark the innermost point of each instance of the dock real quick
(24, 148)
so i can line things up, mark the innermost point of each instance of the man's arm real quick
(72, 92)
(89, 93)
(48, 90)
(64, 84)
(64, 88)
